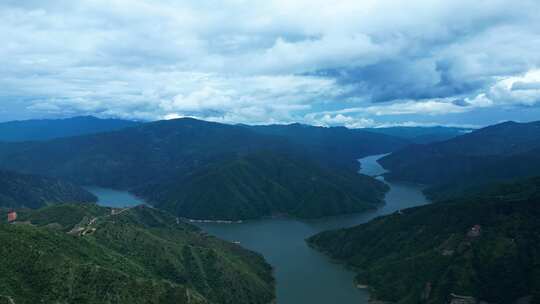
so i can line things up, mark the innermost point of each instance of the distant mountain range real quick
(31, 191)
(482, 246)
(421, 135)
(45, 129)
(499, 152)
(337, 146)
(162, 155)
(157, 159)
(87, 254)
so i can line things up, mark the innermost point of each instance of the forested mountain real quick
(497, 152)
(135, 156)
(421, 135)
(484, 245)
(264, 184)
(274, 170)
(86, 254)
(45, 129)
(338, 146)
(31, 191)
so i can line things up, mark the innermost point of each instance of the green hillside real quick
(131, 157)
(429, 253)
(31, 191)
(421, 135)
(265, 184)
(83, 254)
(334, 146)
(495, 153)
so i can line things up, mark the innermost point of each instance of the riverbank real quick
(281, 240)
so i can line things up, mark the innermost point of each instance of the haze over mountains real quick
(45, 129)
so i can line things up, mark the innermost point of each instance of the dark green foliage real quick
(421, 135)
(134, 156)
(141, 255)
(265, 184)
(163, 149)
(208, 170)
(399, 254)
(45, 129)
(334, 146)
(500, 152)
(31, 191)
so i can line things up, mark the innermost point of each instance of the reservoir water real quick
(303, 275)
(114, 198)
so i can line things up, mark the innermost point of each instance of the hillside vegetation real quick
(265, 184)
(31, 191)
(499, 152)
(297, 170)
(131, 157)
(484, 245)
(84, 254)
(334, 146)
(421, 135)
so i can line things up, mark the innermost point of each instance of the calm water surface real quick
(114, 198)
(304, 275)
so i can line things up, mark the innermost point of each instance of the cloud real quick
(272, 61)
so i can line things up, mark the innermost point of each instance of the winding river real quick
(303, 275)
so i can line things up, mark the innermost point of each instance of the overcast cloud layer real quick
(354, 63)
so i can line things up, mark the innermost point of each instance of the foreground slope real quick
(45, 129)
(484, 245)
(264, 184)
(84, 254)
(31, 191)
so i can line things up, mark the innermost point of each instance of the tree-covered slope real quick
(31, 191)
(129, 157)
(85, 254)
(502, 151)
(484, 245)
(421, 135)
(133, 156)
(264, 184)
(335, 146)
(45, 129)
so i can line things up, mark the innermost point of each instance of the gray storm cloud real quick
(275, 61)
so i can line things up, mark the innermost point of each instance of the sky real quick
(357, 63)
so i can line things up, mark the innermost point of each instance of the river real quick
(303, 275)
